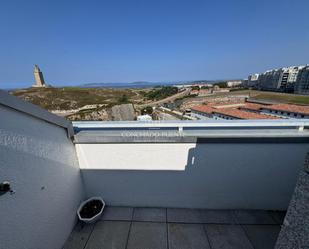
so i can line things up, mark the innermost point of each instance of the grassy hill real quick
(68, 98)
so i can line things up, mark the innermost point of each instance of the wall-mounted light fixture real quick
(5, 187)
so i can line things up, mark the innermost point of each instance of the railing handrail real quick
(287, 123)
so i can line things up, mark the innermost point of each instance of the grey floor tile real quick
(147, 235)
(187, 236)
(227, 237)
(278, 216)
(150, 214)
(217, 216)
(79, 236)
(117, 213)
(184, 215)
(262, 236)
(109, 235)
(253, 217)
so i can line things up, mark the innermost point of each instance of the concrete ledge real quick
(101, 139)
(236, 131)
(17, 104)
(192, 136)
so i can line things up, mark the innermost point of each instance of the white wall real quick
(201, 116)
(137, 156)
(213, 175)
(40, 162)
(283, 114)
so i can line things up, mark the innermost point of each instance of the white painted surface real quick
(214, 175)
(133, 156)
(40, 162)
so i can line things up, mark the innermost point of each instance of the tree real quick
(162, 93)
(222, 84)
(195, 87)
(147, 110)
(123, 99)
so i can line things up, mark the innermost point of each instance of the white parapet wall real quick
(213, 172)
(38, 158)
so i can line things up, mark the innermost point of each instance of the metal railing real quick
(188, 131)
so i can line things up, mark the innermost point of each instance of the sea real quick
(10, 87)
(131, 84)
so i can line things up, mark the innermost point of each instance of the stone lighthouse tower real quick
(39, 79)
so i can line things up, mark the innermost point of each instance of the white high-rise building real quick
(253, 80)
(302, 82)
(282, 79)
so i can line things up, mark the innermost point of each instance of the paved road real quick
(166, 116)
(166, 100)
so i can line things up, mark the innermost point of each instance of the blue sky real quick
(77, 42)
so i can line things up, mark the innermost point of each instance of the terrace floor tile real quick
(79, 236)
(172, 228)
(227, 237)
(184, 215)
(187, 236)
(253, 217)
(217, 216)
(109, 235)
(262, 236)
(147, 235)
(118, 213)
(150, 214)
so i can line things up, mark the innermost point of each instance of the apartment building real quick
(253, 80)
(270, 80)
(293, 73)
(286, 79)
(302, 82)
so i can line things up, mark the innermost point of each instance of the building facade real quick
(253, 80)
(302, 82)
(202, 112)
(292, 79)
(234, 83)
(286, 79)
(270, 80)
